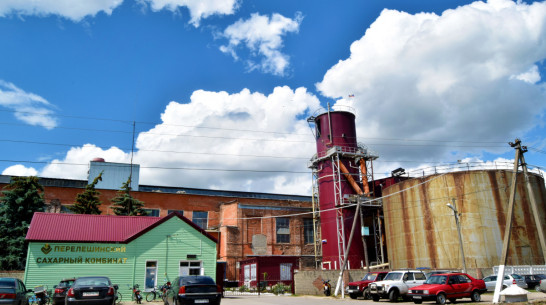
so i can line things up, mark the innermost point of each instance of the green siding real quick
(168, 244)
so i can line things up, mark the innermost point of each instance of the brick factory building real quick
(243, 222)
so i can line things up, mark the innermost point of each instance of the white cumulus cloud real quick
(198, 9)
(245, 141)
(28, 107)
(74, 10)
(263, 37)
(20, 170)
(469, 73)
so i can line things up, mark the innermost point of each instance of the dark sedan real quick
(194, 289)
(533, 280)
(60, 291)
(13, 292)
(91, 290)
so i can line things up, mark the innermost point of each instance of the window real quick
(66, 210)
(308, 232)
(286, 275)
(200, 219)
(172, 211)
(190, 268)
(464, 279)
(152, 212)
(151, 275)
(250, 272)
(420, 276)
(283, 230)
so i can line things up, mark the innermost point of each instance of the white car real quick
(509, 279)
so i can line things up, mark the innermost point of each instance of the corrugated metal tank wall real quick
(421, 230)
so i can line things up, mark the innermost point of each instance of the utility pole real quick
(508, 227)
(532, 200)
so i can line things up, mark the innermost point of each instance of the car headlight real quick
(425, 291)
(410, 291)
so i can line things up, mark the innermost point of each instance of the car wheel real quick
(366, 293)
(375, 298)
(441, 299)
(504, 287)
(393, 295)
(452, 300)
(475, 296)
(537, 288)
(417, 301)
(353, 295)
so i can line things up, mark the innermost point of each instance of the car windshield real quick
(516, 276)
(370, 276)
(540, 276)
(393, 276)
(92, 281)
(436, 279)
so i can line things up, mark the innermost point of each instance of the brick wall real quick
(16, 274)
(310, 282)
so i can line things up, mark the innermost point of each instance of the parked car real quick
(92, 290)
(396, 284)
(13, 291)
(533, 280)
(542, 285)
(194, 289)
(448, 286)
(509, 279)
(360, 288)
(60, 291)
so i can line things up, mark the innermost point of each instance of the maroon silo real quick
(335, 132)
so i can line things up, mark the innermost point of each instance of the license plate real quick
(417, 297)
(201, 301)
(91, 294)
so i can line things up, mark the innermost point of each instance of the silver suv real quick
(396, 284)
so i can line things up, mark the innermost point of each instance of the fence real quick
(522, 270)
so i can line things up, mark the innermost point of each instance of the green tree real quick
(124, 204)
(22, 197)
(88, 202)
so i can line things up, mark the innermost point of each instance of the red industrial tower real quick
(341, 171)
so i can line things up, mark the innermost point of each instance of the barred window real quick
(283, 230)
(308, 233)
(200, 219)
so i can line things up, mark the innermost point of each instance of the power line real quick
(169, 168)
(256, 131)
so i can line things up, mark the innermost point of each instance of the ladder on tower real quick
(338, 201)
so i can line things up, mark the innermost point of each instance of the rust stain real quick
(499, 208)
(458, 180)
(407, 230)
(429, 226)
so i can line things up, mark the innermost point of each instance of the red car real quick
(360, 288)
(452, 286)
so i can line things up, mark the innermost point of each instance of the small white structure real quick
(514, 294)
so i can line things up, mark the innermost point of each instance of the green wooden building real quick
(147, 251)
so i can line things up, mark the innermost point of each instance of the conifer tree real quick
(22, 197)
(125, 205)
(88, 202)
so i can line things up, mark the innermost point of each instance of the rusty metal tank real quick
(420, 228)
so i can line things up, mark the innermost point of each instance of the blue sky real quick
(220, 90)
